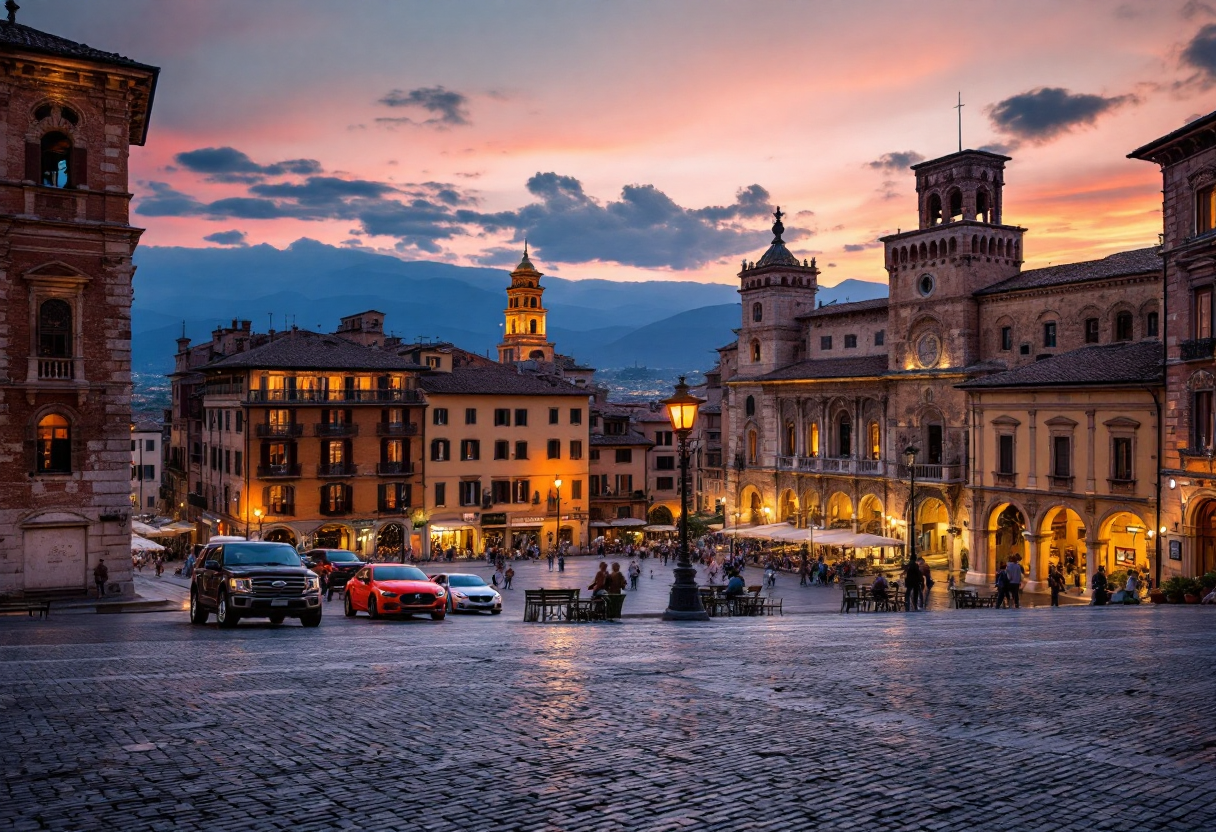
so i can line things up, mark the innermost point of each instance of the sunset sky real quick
(634, 140)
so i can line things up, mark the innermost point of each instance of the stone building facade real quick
(823, 402)
(69, 117)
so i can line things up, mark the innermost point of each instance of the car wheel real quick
(198, 615)
(495, 612)
(311, 619)
(372, 612)
(277, 619)
(224, 614)
(439, 616)
(348, 609)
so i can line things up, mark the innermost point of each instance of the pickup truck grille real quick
(292, 587)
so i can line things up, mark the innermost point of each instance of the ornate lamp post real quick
(684, 603)
(257, 512)
(910, 453)
(557, 487)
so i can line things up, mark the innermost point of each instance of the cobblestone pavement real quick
(1080, 718)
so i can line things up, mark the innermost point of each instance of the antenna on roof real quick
(271, 314)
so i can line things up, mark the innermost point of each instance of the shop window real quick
(54, 445)
(55, 329)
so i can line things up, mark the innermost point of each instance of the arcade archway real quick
(932, 521)
(332, 536)
(840, 511)
(1127, 543)
(281, 534)
(1204, 550)
(869, 515)
(787, 506)
(1063, 542)
(1006, 523)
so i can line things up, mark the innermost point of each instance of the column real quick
(1032, 473)
(1036, 568)
(977, 437)
(1090, 482)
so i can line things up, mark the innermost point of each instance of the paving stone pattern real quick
(1078, 718)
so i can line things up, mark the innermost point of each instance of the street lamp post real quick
(910, 453)
(684, 603)
(557, 488)
(257, 512)
(402, 488)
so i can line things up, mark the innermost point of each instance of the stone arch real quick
(933, 250)
(975, 244)
(35, 447)
(788, 506)
(839, 511)
(751, 505)
(811, 502)
(279, 533)
(935, 209)
(983, 205)
(1062, 541)
(903, 254)
(924, 252)
(1124, 538)
(334, 536)
(870, 517)
(954, 200)
(953, 245)
(1004, 522)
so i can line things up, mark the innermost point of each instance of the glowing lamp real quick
(682, 408)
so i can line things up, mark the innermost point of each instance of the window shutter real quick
(324, 502)
(265, 495)
(289, 494)
(78, 164)
(33, 162)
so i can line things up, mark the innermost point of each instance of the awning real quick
(142, 544)
(715, 527)
(143, 529)
(628, 521)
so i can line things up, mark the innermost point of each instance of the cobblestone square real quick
(1073, 718)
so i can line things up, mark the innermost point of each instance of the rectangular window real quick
(439, 416)
(1150, 325)
(880, 337)
(228, 421)
(240, 421)
(576, 490)
(1202, 419)
(149, 473)
(576, 415)
(1091, 330)
(1006, 338)
(665, 463)
(441, 494)
(470, 449)
(1061, 452)
(1122, 458)
(521, 417)
(1205, 209)
(1049, 334)
(850, 342)
(237, 462)
(470, 415)
(553, 415)
(665, 484)
(500, 491)
(502, 417)
(522, 491)
(594, 455)
(599, 484)
(624, 483)
(554, 449)
(227, 461)
(470, 492)
(825, 342)
(149, 444)
(521, 450)
(624, 455)
(576, 449)
(663, 438)
(1203, 312)
(1004, 454)
(502, 449)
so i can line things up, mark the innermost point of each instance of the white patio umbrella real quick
(142, 544)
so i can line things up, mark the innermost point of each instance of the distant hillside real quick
(672, 324)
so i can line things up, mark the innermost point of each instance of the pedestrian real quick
(1055, 582)
(160, 564)
(1099, 587)
(550, 558)
(1014, 571)
(600, 580)
(101, 574)
(914, 582)
(508, 576)
(635, 572)
(928, 585)
(802, 573)
(1002, 585)
(561, 563)
(614, 584)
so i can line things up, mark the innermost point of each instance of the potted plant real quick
(1174, 589)
(1192, 592)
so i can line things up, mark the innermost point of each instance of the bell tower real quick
(523, 336)
(775, 290)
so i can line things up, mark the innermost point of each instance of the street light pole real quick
(910, 453)
(557, 487)
(684, 603)
(401, 502)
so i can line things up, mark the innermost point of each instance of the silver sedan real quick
(469, 593)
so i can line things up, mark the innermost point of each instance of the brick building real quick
(70, 116)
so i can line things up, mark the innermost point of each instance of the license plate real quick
(279, 602)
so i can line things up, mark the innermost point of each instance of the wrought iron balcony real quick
(388, 469)
(288, 430)
(397, 428)
(270, 472)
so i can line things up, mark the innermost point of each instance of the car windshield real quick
(341, 557)
(465, 580)
(260, 554)
(398, 573)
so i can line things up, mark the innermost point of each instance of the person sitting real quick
(734, 586)
(880, 584)
(1210, 598)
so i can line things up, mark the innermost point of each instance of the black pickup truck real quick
(253, 579)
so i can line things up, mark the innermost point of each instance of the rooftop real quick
(498, 381)
(609, 440)
(819, 368)
(302, 349)
(1126, 363)
(1122, 264)
(1174, 146)
(846, 308)
(777, 254)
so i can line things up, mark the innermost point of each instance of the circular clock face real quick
(928, 350)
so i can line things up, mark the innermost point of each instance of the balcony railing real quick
(397, 428)
(337, 469)
(267, 430)
(871, 467)
(934, 472)
(269, 472)
(56, 369)
(335, 396)
(388, 469)
(1197, 349)
(336, 429)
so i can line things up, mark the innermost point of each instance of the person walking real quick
(550, 558)
(508, 576)
(1099, 587)
(1014, 571)
(927, 585)
(101, 574)
(914, 582)
(635, 572)
(1055, 582)
(614, 584)
(1002, 585)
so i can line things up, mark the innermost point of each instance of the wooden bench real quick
(771, 605)
(544, 605)
(43, 608)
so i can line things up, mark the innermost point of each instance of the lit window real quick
(54, 445)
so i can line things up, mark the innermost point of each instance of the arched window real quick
(813, 443)
(752, 443)
(56, 154)
(791, 441)
(935, 209)
(933, 250)
(55, 329)
(1150, 325)
(755, 351)
(749, 406)
(757, 312)
(875, 443)
(844, 436)
(956, 205)
(54, 445)
(982, 205)
(512, 327)
(1123, 326)
(953, 245)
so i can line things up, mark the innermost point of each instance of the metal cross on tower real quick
(960, 107)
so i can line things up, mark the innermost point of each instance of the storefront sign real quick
(1175, 550)
(469, 517)
(527, 521)
(498, 519)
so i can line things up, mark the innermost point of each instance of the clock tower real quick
(523, 337)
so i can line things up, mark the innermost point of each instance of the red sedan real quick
(393, 589)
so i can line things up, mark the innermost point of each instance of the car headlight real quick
(240, 584)
(388, 594)
(312, 583)
(439, 593)
(459, 595)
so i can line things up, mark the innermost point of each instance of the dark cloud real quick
(165, 201)
(447, 107)
(863, 246)
(1196, 8)
(1048, 112)
(1200, 52)
(896, 161)
(227, 238)
(1001, 148)
(227, 164)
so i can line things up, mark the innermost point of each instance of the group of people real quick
(139, 559)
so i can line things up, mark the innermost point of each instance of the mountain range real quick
(603, 323)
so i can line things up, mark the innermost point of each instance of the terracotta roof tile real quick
(822, 368)
(1128, 363)
(15, 34)
(846, 308)
(1122, 264)
(302, 349)
(498, 381)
